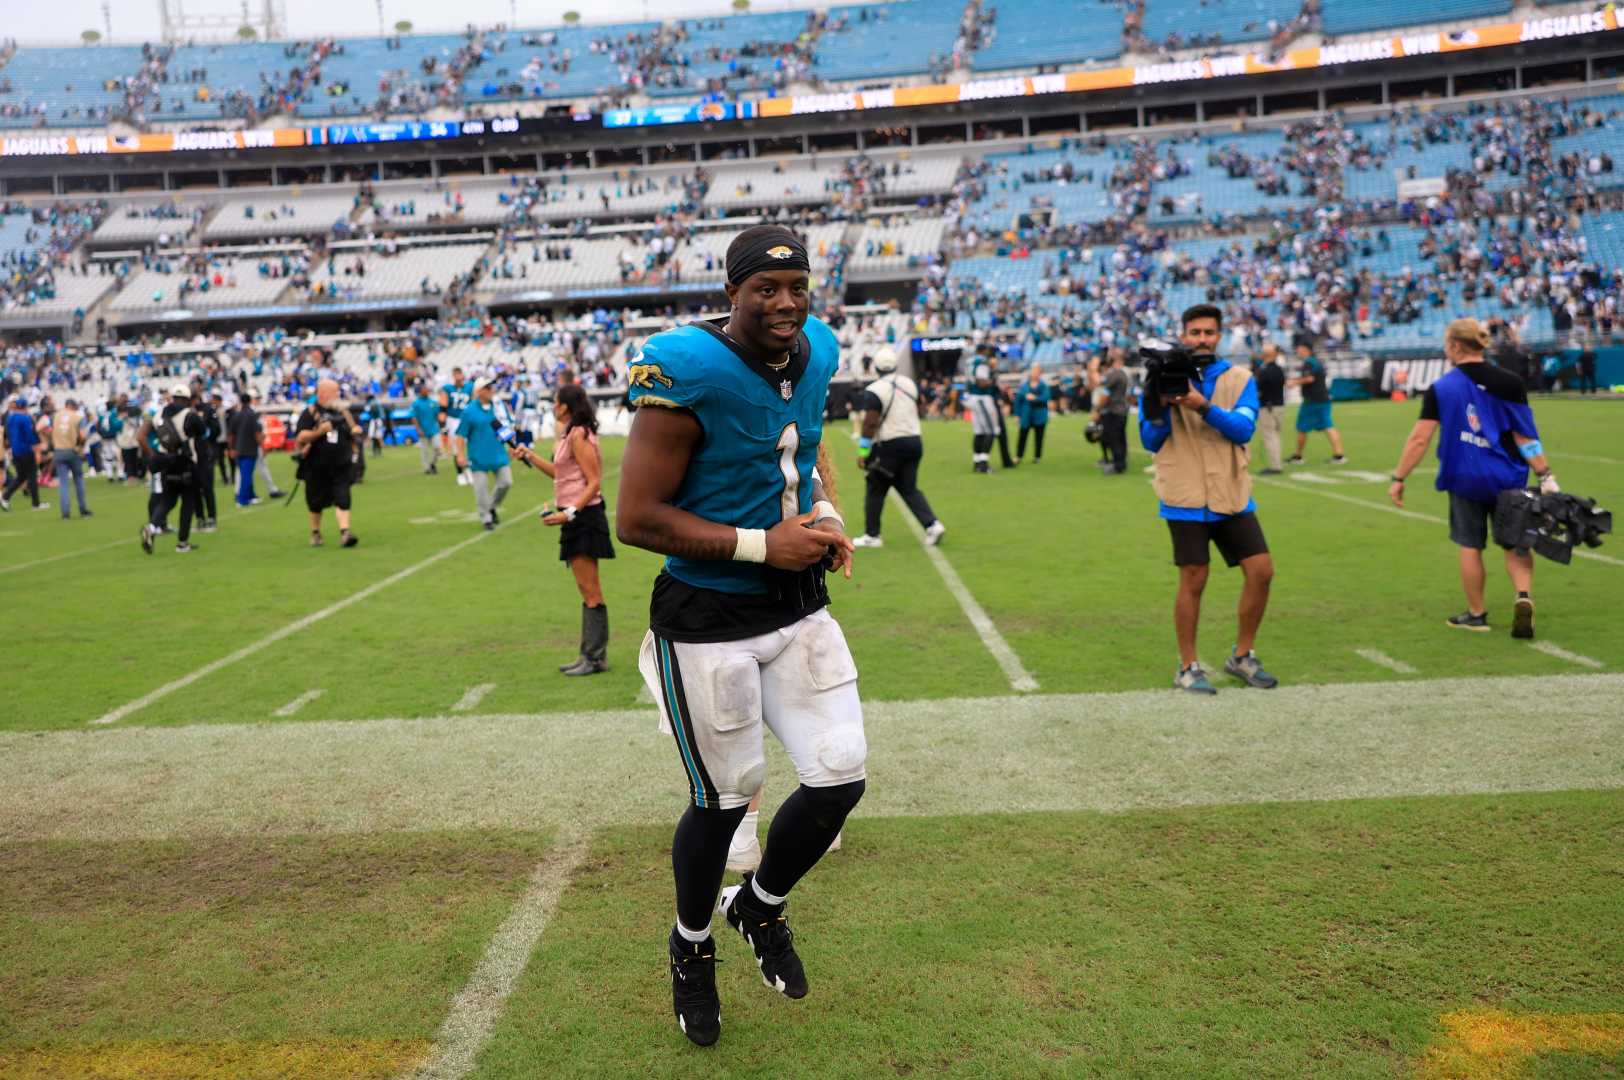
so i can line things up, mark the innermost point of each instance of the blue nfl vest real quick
(753, 465)
(1473, 460)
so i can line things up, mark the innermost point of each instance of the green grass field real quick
(245, 829)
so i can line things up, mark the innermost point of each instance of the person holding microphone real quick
(577, 471)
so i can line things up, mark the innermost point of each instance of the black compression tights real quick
(802, 831)
(698, 858)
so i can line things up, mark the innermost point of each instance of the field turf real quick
(268, 810)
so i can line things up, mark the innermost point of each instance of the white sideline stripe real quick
(1578, 553)
(299, 702)
(59, 558)
(1019, 678)
(473, 696)
(299, 624)
(1376, 656)
(1562, 654)
(479, 1005)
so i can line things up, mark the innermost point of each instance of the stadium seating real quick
(73, 292)
(896, 246)
(239, 285)
(897, 39)
(249, 69)
(1227, 20)
(286, 212)
(67, 84)
(399, 276)
(1362, 16)
(365, 63)
(730, 35)
(14, 233)
(1032, 32)
(144, 223)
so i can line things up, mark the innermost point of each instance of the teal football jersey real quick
(753, 465)
(457, 396)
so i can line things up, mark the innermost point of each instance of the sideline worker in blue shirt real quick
(482, 453)
(1489, 442)
(1199, 439)
(426, 415)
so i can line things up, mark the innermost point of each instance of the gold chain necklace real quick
(780, 366)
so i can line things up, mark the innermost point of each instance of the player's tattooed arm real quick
(823, 478)
(651, 472)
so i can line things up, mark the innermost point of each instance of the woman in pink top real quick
(577, 472)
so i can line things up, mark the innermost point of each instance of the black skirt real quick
(587, 535)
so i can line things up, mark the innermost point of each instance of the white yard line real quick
(476, 1009)
(299, 624)
(1376, 656)
(299, 702)
(1562, 654)
(1388, 508)
(66, 555)
(1019, 678)
(472, 697)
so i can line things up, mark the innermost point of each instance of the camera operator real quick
(1112, 415)
(173, 454)
(889, 450)
(1489, 442)
(1196, 417)
(480, 446)
(326, 434)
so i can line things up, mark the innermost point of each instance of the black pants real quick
(27, 473)
(895, 464)
(223, 462)
(176, 491)
(205, 487)
(1114, 438)
(1003, 447)
(1037, 431)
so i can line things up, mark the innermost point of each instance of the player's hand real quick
(1395, 491)
(862, 463)
(839, 557)
(554, 518)
(1547, 484)
(794, 544)
(462, 462)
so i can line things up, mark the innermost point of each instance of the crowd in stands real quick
(1505, 230)
(54, 231)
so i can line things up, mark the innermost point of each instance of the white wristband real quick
(568, 512)
(750, 545)
(823, 508)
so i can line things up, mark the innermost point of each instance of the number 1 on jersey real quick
(789, 441)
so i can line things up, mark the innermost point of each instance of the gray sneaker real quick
(1249, 669)
(1194, 680)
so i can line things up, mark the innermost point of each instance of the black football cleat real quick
(693, 989)
(769, 937)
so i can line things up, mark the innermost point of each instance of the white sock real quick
(747, 830)
(763, 895)
(695, 936)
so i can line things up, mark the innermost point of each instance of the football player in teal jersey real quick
(454, 397)
(725, 474)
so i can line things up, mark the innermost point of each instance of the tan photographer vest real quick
(1197, 467)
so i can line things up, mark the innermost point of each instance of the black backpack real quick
(170, 439)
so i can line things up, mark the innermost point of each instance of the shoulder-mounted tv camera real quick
(1169, 368)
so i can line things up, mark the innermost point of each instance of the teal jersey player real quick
(724, 475)
(457, 394)
(753, 465)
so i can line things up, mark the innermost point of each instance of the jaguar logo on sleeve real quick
(647, 376)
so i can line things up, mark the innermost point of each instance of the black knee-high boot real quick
(594, 641)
